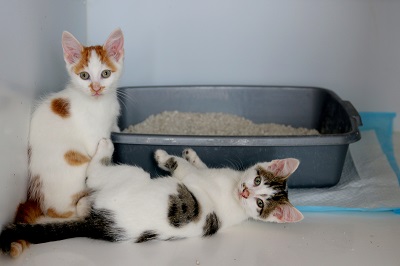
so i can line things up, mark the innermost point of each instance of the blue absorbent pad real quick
(369, 180)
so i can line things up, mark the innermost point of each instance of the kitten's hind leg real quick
(177, 166)
(191, 156)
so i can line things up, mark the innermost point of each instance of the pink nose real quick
(96, 87)
(245, 193)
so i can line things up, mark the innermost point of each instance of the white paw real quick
(83, 207)
(161, 156)
(105, 148)
(190, 156)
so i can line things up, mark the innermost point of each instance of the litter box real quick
(321, 156)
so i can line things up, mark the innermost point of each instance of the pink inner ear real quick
(72, 48)
(286, 213)
(115, 44)
(283, 167)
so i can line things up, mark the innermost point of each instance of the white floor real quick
(346, 238)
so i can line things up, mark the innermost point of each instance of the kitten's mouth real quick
(96, 89)
(244, 193)
(97, 94)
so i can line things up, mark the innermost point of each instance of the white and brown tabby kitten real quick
(128, 205)
(66, 128)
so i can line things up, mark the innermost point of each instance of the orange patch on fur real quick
(85, 57)
(61, 106)
(28, 212)
(75, 158)
(54, 214)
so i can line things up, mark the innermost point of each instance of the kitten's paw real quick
(83, 207)
(105, 149)
(191, 156)
(161, 156)
(17, 248)
(165, 161)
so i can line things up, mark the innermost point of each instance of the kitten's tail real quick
(98, 225)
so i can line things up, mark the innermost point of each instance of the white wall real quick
(31, 63)
(349, 46)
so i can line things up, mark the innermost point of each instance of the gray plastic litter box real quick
(321, 156)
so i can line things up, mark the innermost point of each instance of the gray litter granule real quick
(214, 124)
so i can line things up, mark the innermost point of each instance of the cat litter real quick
(322, 155)
(218, 124)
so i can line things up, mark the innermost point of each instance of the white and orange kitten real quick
(66, 128)
(128, 205)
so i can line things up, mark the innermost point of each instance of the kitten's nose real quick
(96, 86)
(245, 193)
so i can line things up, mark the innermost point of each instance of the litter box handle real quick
(352, 112)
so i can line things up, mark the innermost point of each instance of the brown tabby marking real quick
(278, 183)
(147, 236)
(61, 107)
(211, 225)
(85, 57)
(171, 164)
(75, 158)
(106, 161)
(54, 214)
(183, 207)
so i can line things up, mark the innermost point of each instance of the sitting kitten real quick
(66, 128)
(128, 205)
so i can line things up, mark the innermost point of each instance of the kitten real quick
(128, 205)
(66, 128)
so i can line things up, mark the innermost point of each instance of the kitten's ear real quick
(283, 167)
(287, 213)
(115, 45)
(72, 48)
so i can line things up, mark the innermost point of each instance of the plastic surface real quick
(322, 157)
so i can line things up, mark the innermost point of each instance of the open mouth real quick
(244, 193)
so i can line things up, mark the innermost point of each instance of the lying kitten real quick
(127, 205)
(66, 128)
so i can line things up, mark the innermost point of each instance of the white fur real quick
(140, 204)
(51, 136)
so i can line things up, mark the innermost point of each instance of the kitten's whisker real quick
(124, 96)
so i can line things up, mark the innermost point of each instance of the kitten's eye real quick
(84, 75)
(106, 73)
(260, 203)
(257, 181)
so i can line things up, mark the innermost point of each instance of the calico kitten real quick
(66, 128)
(128, 205)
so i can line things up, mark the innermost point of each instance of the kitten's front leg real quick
(99, 163)
(191, 156)
(177, 166)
